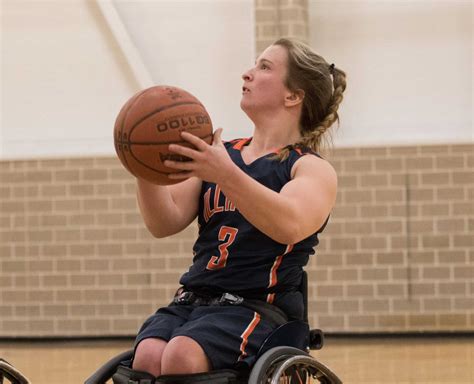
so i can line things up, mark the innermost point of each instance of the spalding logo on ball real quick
(150, 121)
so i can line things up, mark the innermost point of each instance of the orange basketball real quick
(150, 121)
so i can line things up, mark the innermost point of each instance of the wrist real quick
(230, 176)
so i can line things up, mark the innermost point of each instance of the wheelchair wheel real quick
(287, 365)
(11, 374)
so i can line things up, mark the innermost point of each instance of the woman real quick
(260, 203)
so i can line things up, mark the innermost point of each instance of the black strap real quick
(125, 375)
(266, 310)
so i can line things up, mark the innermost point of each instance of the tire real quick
(266, 364)
(292, 366)
(10, 373)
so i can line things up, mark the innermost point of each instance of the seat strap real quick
(266, 310)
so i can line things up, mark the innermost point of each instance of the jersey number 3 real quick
(227, 235)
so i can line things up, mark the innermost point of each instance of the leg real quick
(151, 339)
(215, 337)
(183, 355)
(148, 355)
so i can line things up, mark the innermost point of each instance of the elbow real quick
(157, 231)
(290, 234)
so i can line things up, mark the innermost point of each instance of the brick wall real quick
(277, 18)
(398, 255)
(75, 258)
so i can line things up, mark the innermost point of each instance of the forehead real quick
(277, 54)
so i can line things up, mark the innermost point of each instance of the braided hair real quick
(309, 72)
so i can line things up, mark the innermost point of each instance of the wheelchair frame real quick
(10, 373)
(279, 356)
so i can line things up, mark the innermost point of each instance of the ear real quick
(294, 98)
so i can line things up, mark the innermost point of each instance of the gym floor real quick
(433, 360)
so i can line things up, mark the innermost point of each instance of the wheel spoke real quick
(312, 369)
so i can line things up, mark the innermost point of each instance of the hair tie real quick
(331, 69)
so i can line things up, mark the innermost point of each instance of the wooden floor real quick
(381, 361)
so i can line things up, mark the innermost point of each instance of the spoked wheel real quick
(286, 365)
(9, 374)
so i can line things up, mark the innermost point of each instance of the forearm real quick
(157, 207)
(267, 210)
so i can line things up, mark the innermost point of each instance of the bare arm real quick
(167, 210)
(297, 211)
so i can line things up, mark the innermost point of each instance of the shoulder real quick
(312, 165)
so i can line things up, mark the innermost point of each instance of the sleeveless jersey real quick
(230, 254)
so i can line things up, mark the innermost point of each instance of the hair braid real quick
(311, 73)
(314, 138)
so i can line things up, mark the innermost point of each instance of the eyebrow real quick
(268, 61)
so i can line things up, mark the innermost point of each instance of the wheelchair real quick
(9, 374)
(283, 358)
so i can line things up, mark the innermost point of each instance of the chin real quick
(243, 105)
(250, 112)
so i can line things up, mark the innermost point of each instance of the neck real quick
(273, 132)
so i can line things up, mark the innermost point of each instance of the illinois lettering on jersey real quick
(230, 254)
(211, 208)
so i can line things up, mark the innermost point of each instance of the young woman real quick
(261, 203)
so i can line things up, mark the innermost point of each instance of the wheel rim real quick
(300, 370)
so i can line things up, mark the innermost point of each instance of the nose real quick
(247, 75)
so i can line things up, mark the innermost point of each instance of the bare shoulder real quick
(314, 166)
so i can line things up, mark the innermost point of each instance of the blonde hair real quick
(309, 72)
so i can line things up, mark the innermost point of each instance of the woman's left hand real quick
(211, 163)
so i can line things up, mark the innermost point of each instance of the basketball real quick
(151, 120)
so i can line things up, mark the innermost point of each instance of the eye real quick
(264, 66)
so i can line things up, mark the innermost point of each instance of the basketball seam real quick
(123, 123)
(158, 142)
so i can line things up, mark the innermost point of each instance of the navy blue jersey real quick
(230, 254)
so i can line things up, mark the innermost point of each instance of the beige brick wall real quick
(75, 258)
(398, 255)
(278, 18)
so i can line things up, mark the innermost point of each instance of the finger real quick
(181, 165)
(185, 151)
(217, 137)
(194, 140)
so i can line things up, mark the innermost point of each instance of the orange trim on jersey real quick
(276, 264)
(240, 143)
(245, 336)
(270, 298)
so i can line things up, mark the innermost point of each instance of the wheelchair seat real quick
(284, 354)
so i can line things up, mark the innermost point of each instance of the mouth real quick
(245, 90)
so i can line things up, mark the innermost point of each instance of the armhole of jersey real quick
(300, 156)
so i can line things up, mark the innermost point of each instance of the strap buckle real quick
(185, 298)
(230, 298)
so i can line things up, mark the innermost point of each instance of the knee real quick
(183, 355)
(148, 356)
